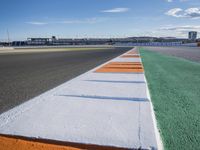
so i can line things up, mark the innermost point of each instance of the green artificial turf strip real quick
(174, 85)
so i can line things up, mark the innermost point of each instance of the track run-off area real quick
(144, 98)
(173, 76)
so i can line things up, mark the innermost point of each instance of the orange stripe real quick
(130, 56)
(132, 53)
(106, 70)
(121, 67)
(7, 143)
(125, 63)
(22, 143)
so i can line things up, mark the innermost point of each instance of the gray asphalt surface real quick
(24, 76)
(189, 53)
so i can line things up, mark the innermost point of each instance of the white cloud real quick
(169, 1)
(181, 28)
(180, 31)
(193, 13)
(37, 23)
(116, 10)
(77, 21)
(174, 12)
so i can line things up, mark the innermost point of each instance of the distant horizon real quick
(98, 19)
(100, 37)
(6, 40)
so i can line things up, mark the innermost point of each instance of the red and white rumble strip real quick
(108, 106)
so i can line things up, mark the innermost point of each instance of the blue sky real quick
(98, 18)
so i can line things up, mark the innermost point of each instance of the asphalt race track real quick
(24, 76)
(189, 53)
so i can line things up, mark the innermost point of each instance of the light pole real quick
(8, 37)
